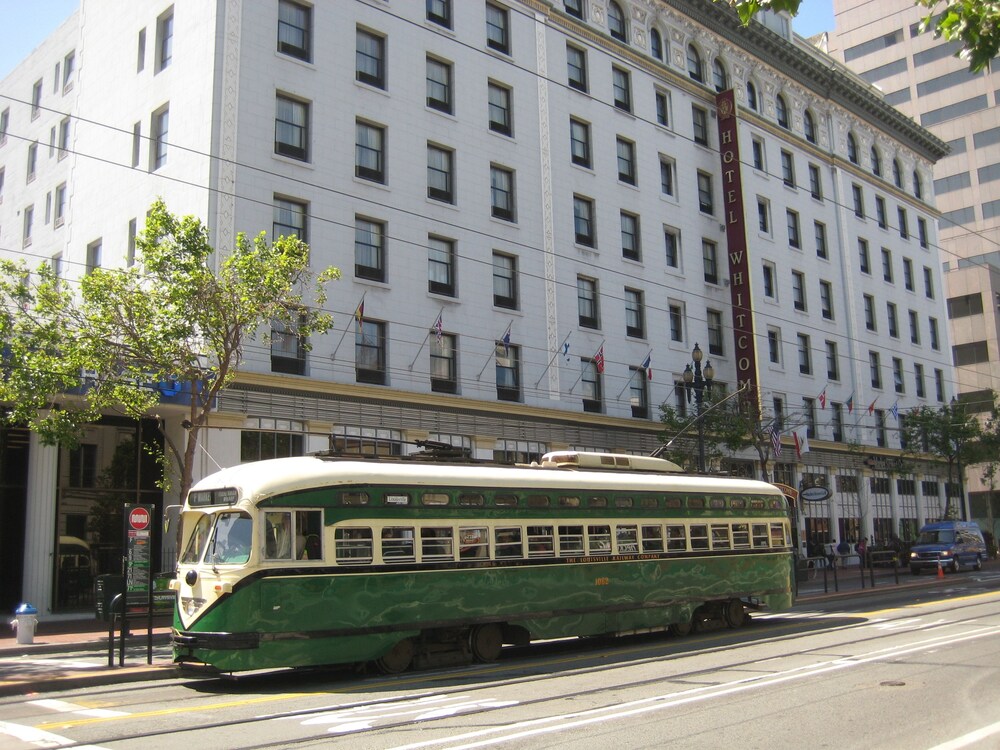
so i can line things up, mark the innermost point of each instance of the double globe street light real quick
(699, 382)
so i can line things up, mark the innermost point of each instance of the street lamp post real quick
(699, 382)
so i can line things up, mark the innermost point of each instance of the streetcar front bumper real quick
(187, 641)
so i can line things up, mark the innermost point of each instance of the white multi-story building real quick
(924, 78)
(534, 223)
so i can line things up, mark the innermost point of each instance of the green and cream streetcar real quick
(310, 561)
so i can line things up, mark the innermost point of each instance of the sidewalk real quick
(69, 655)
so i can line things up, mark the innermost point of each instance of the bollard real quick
(25, 621)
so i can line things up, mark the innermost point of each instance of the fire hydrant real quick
(25, 621)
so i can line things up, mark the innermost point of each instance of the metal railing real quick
(848, 566)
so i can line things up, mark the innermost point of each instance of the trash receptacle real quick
(25, 621)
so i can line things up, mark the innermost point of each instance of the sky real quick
(26, 24)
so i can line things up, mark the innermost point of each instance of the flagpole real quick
(553, 359)
(426, 336)
(344, 334)
(578, 377)
(629, 381)
(494, 354)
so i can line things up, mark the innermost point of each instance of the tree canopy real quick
(975, 24)
(178, 315)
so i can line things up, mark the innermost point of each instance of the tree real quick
(948, 432)
(975, 24)
(178, 316)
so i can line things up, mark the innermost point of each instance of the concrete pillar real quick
(40, 525)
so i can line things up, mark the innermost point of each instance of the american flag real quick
(775, 442)
(439, 327)
(647, 366)
(599, 359)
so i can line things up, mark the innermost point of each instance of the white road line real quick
(969, 739)
(62, 663)
(66, 707)
(41, 738)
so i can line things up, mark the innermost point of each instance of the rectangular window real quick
(668, 170)
(136, 143)
(444, 365)
(502, 193)
(140, 56)
(370, 58)
(826, 299)
(36, 100)
(497, 28)
(769, 273)
(787, 168)
(875, 369)
(32, 162)
(922, 232)
(441, 266)
(914, 327)
(635, 316)
(288, 351)
(774, 345)
(892, 318)
(715, 344)
(369, 249)
(710, 261)
(69, 72)
(880, 216)
(792, 221)
(504, 281)
(638, 386)
(699, 119)
(869, 303)
(586, 302)
(815, 182)
(576, 65)
(439, 85)
(908, 274)
(928, 283)
(904, 225)
(763, 215)
(94, 255)
(918, 377)
(590, 384)
(864, 261)
(500, 113)
(130, 249)
(64, 138)
(439, 12)
(675, 314)
(626, 161)
(369, 158)
(832, 361)
(672, 246)
(809, 413)
(160, 127)
(859, 201)
(932, 326)
(164, 40)
(897, 375)
(60, 205)
(579, 142)
(631, 248)
(706, 197)
(757, 148)
(291, 128)
(439, 174)
(26, 227)
(294, 29)
(819, 229)
(369, 352)
(805, 355)
(621, 85)
(663, 108)
(583, 221)
(289, 219)
(4, 125)
(886, 265)
(508, 372)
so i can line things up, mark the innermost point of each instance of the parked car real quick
(948, 544)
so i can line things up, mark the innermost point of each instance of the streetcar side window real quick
(623, 502)
(354, 498)
(471, 499)
(760, 538)
(647, 502)
(199, 537)
(652, 538)
(738, 502)
(696, 502)
(717, 502)
(353, 546)
(778, 538)
(309, 535)
(538, 501)
(437, 543)
(741, 535)
(569, 502)
(672, 502)
(699, 536)
(628, 540)
(599, 540)
(757, 503)
(505, 501)
(540, 541)
(474, 543)
(597, 502)
(676, 539)
(570, 540)
(720, 536)
(434, 498)
(508, 542)
(397, 545)
(278, 535)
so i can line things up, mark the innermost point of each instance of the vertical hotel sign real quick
(736, 241)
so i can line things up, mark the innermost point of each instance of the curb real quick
(97, 678)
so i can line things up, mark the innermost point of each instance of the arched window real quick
(918, 186)
(719, 77)
(809, 125)
(751, 96)
(852, 148)
(616, 22)
(876, 162)
(897, 174)
(781, 110)
(656, 44)
(694, 64)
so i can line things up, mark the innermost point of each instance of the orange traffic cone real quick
(940, 570)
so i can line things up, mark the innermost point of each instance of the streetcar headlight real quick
(191, 604)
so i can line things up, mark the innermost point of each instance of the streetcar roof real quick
(259, 480)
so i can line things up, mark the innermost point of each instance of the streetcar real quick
(315, 560)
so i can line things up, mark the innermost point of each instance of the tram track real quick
(795, 627)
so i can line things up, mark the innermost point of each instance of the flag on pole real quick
(775, 441)
(871, 407)
(895, 410)
(801, 443)
(822, 399)
(439, 326)
(850, 403)
(647, 366)
(565, 350)
(599, 359)
(359, 314)
(506, 342)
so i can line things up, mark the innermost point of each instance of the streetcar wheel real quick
(734, 613)
(397, 658)
(680, 629)
(486, 641)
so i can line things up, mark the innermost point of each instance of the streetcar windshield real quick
(231, 539)
(196, 544)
